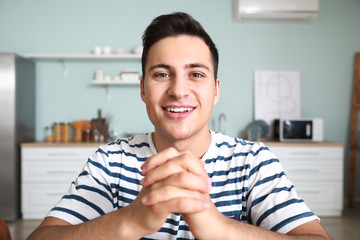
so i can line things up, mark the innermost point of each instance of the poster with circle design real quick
(276, 95)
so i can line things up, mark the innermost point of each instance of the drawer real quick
(313, 170)
(56, 153)
(305, 152)
(38, 199)
(60, 171)
(321, 196)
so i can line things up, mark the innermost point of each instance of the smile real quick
(179, 109)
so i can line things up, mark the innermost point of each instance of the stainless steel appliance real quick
(17, 124)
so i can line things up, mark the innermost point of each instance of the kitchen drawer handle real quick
(308, 191)
(62, 154)
(304, 170)
(61, 172)
(55, 193)
(305, 153)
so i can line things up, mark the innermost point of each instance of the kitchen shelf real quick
(103, 82)
(63, 57)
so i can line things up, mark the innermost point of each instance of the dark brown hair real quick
(172, 25)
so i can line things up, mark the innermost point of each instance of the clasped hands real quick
(174, 182)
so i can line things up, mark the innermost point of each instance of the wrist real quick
(129, 227)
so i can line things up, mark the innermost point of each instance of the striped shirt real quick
(248, 185)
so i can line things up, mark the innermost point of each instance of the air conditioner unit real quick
(276, 10)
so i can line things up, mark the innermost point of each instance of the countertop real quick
(69, 144)
(97, 144)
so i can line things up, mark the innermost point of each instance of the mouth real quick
(179, 109)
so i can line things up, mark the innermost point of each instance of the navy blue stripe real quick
(124, 140)
(228, 193)
(125, 190)
(228, 203)
(232, 213)
(71, 212)
(86, 202)
(229, 181)
(168, 230)
(102, 151)
(262, 148)
(85, 173)
(225, 144)
(123, 152)
(262, 164)
(95, 190)
(291, 219)
(128, 155)
(234, 169)
(123, 166)
(262, 198)
(124, 199)
(265, 180)
(240, 154)
(270, 178)
(275, 190)
(275, 208)
(112, 174)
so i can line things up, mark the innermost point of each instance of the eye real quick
(197, 75)
(161, 75)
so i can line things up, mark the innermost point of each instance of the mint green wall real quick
(323, 51)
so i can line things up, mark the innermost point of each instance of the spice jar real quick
(87, 135)
(77, 126)
(65, 132)
(57, 132)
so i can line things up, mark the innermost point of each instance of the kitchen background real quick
(323, 51)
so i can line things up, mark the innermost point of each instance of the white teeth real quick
(178, 109)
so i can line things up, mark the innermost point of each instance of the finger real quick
(191, 164)
(184, 162)
(158, 159)
(168, 193)
(185, 180)
(181, 205)
(160, 173)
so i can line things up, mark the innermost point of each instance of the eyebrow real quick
(161, 65)
(187, 66)
(196, 65)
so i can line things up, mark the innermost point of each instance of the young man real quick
(182, 180)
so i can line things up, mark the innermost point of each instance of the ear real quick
(217, 91)
(142, 90)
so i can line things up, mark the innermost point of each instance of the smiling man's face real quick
(179, 88)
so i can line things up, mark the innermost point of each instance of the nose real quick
(178, 87)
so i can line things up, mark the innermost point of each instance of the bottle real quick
(49, 137)
(87, 134)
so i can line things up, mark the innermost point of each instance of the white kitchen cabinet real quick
(47, 171)
(316, 170)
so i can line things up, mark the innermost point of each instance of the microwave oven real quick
(301, 130)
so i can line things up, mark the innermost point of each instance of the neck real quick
(197, 145)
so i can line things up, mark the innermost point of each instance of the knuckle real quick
(168, 191)
(182, 177)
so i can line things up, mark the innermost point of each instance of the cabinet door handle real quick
(305, 153)
(304, 170)
(61, 172)
(55, 193)
(62, 154)
(308, 191)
